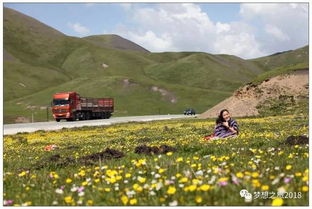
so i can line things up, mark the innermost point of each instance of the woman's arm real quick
(226, 124)
(232, 129)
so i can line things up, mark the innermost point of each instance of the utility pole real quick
(47, 113)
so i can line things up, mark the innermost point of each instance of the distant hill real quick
(40, 61)
(283, 59)
(115, 42)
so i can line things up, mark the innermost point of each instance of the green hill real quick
(114, 41)
(40, 61)
(284, 59)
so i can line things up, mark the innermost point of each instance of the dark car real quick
(189, 111)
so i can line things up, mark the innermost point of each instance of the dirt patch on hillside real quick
(127, 83)
(104, 65)
(294, 140)
(245, 100)
(21, 119)
(105, 155)
(57, 160)
(165, 94)
(144, 149)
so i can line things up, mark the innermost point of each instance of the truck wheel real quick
(74, 117)
(108, 115)
(88, 117)
(58, 120)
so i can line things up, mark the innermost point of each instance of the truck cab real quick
(64, 105)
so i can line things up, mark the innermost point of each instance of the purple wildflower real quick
(80, 189)
(223, 183)
(8, 202)
(287, 180)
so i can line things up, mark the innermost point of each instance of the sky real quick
(247, 30)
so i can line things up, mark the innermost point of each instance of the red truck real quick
(70, 106)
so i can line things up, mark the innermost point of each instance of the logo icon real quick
(244, 193)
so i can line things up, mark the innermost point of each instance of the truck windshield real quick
(59, 102)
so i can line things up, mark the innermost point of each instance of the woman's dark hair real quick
(220, 118)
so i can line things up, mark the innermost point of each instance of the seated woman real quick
(225, 126)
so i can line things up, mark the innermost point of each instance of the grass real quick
(284, 105)
(198, 173)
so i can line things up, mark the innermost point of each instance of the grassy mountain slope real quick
(205, 71)
(114, 41)
(40, 61)
(284, 59)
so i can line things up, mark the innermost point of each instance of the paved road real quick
(31, 127)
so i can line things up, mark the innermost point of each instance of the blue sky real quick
(245, 30)
(103, 17)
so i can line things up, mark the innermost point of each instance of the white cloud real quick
(223, 28)
(185, 27)
(284, 25)
(263, 29)
(243, 44)
(276, 32)
(151, 41)
(78, 28)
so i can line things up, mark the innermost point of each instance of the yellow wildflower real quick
(205, 187)
(169, 153)
(141, 179)
(298, 174)
(277, 202)
(305, 188)
(161, 170)
(22, 174)
(183, 180)
(265, 188)
(255, 174)
(90, 202)
(124, 199)
(171, 190)
(240, 175)
(133, 201)
(198, 199)
(68, 199)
